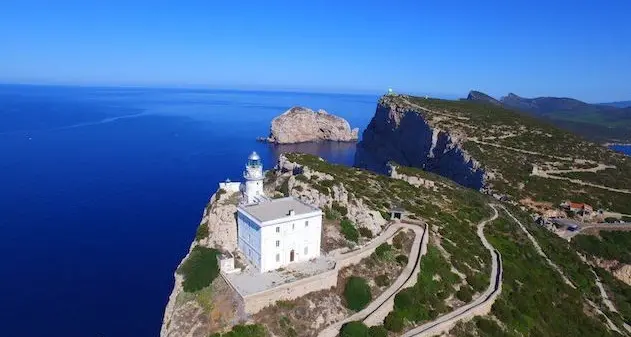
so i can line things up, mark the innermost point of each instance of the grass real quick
(247, 330)
(534, 300)
(202, 232)
(611, 245)
(425, 300)
(349, 231)
(357, 293)
(199, 269)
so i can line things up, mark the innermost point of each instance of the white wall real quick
(249, 238)
(294, 235)
(233, 186)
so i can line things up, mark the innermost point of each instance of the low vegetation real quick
(349, 231)
(357, 293)
(202, 232)
(534, 301)
(425, 300)
(249, 330)
(510, 144)
(199, 269)
(359, 329)
(609, 245)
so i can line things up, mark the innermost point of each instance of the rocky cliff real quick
(299, 125)
(400, 134)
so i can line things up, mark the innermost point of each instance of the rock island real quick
(300, 124)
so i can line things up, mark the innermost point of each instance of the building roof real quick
(276, 209)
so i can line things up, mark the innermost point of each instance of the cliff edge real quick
(300, 124)
(399, 133)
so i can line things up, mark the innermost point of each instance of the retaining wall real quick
(255, 302)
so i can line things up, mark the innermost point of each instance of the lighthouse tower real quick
(253, 175)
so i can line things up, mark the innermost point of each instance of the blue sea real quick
(626, 149)
(103, 188)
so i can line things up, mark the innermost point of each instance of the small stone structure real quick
(226, 263)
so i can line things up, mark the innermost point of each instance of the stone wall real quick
(255, 302)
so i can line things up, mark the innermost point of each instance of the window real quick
(277, 229)
(307, 223)
(293, 226)
(306, 250)
(277, 243)
(277, 257)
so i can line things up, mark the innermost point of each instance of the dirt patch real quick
(331, 237)
(304, 316)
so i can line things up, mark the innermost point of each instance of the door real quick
(291, 256)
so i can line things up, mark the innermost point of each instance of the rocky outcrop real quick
(299, 125)
(358, 212)
(183, 315)
(400, 134)
(623, 273)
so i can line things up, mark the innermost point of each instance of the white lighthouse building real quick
(273, 233)
(253, 175)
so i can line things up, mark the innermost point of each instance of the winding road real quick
(479, 306)
(376, 311)
(419, 247)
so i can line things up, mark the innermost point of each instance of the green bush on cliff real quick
(349, 231)
(244, 330)
(202, 232)
(357, 293)
(199, 269)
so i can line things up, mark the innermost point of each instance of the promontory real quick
(300, 124)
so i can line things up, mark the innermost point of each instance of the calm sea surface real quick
(626, 149)
(102, 190)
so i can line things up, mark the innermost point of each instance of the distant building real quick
(272, 233)
(577, 207)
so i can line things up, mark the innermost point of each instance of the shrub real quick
(202, 232)
(284, 188)
(465, 294)
(626, 218)
(298, 188)
(402, 259)
(199, 269)
(394, 321)
(611, 220)
(354, 329)
(384, 251)
(377, 331)
(349, 231)
(343, 211)
(398, 240)
(357, 293)
(219, 193)
(247, 330)
(365, 232)
(302, 177)
(382, 280)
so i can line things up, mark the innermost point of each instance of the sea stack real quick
(300, 124)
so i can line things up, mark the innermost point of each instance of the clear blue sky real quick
(578, 48)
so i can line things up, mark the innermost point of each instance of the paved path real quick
(479, 306)
(539, 250)
(419, 245)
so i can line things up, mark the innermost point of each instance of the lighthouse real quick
(253, 175)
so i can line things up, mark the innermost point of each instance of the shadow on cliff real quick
(403, 136)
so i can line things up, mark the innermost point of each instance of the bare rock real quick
(623, 273)
(299, 124)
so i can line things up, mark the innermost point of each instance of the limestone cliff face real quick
(399, 134)
(298, 125)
